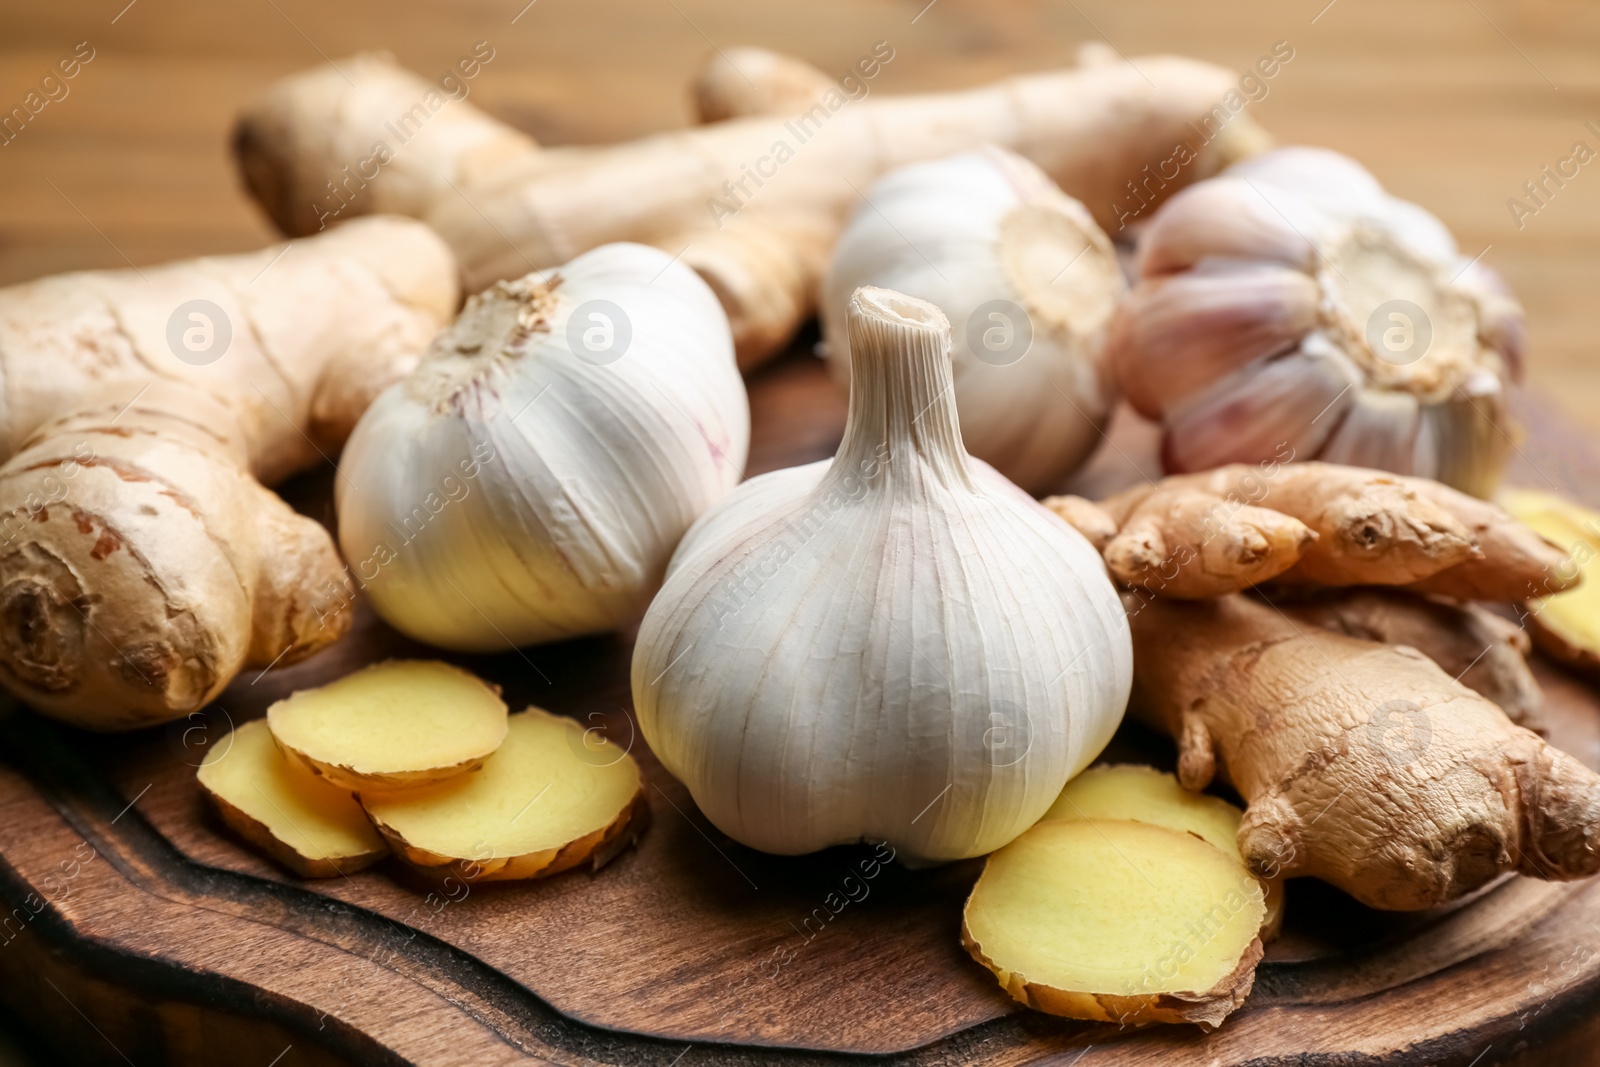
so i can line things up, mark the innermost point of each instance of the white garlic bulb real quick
(1029, 283)
(1291, 307)
(895, 645)
(530, 480)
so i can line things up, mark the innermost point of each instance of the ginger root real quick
(312, 827)
(744, 82)
(753, 203)
(1203, 535)
(1362, 764)
(142, 563)
(1478, 648)
(392, 725)
(1117, 921)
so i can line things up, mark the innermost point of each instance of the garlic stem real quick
(901, 387)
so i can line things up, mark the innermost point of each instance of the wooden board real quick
(140, 932)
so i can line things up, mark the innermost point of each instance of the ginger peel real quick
(1362, 764)
(1316, 524)
(1483, 651)
(507, 206)
(142, 563)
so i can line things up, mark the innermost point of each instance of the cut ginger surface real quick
(391, 725)
(1564, 623)
(1117, 921)
(1144, 794)
(310, 826)
(550, 798)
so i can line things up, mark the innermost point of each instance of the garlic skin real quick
(1290, 306)
(530, 480)
(963, 233)
(895, 645)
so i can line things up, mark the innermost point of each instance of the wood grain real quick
(179, 943)
(1453, 104)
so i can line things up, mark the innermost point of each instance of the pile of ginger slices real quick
(420, 760)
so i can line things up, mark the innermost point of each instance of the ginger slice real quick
(1117, 921)
(1565, 625)
(310, 826)
(392, 725)
(551, 797)
(1144, 794)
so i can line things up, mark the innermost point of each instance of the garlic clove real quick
(1331, 180)
(1227, 218)
(898, 645)
(1466, 440)
(1379, 430)
(1501, 323)
(1284, 408)
(1347, 192)
(1178, 333)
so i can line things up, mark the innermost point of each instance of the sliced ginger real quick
(1117, 921)
(1144, 794)
(1566, 625)
(310, 826)
(548, 799)
(391, 725)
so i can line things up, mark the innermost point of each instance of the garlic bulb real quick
(897, 644)
(1029, 283)
(1290, 306)
(530, 480)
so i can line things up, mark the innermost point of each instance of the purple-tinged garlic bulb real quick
(1292, 306)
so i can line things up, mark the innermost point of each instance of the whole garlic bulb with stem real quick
(531, 479)
(1029, 283)
(895, 645)
(1291, 304)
